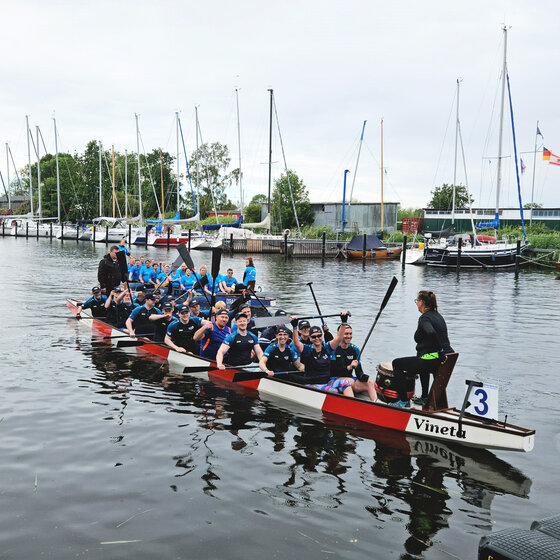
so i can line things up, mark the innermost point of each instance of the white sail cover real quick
(265, 224)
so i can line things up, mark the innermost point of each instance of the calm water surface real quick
(106, 454)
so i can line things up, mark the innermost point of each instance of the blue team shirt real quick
(250, 274)
(293, 354)
(134, 273)
(188, 281)
(229, 339)
(229, 281)
(138, 310)
(148, 275)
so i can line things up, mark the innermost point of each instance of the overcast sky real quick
(331, 64)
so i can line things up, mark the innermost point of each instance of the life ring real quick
(286, 233)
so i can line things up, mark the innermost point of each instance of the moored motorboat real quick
(445, 424)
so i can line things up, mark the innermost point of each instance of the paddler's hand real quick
(221, 366)
(269, 372)
(294, 322)
(344, 316)
(354, 364)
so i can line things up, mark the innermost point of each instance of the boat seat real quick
(437, 397)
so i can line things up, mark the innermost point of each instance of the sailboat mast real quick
(29, 161)
(355, 171)
(239, 148)
(197, 160)
(126, 184)
(177, 161)
(8, 176)
(100, 179)
(270, 150)
(113, 165)
(139, 172)
(40, 209)
(500, 138)
(57, 173)
(161, 177)
(534, 166)
(455, 163)
(381, 177)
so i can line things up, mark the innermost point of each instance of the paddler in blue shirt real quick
(211, 335)
(96, 303)
(228, 282)
(148, 276)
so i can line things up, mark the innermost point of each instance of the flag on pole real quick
(539, 132)
(545, 153)
(522, 167)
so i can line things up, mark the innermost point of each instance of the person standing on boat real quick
(96, 303)
(280, 355)
(180, 333)
(239, 346)
(212, 334)
(123, 247)
(432, 343)
(109, 271)
(250, 274)
(347, 363)
(316, 358)
(228, 282)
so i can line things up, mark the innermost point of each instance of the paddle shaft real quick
(216, 260)
(260, 302)
(121, 258)
(392, 285)
(284, 319)
(185, 255)
(316, 302)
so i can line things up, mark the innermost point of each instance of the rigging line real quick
(356, 168)
(444, 137)
(109, 171)
(387, 177)
(188, 169)
(78, 205)
(150, 173)
(208, 174)
(466, 178)
(43, 140)
(285, 164)
(332, 183)
(15, 168)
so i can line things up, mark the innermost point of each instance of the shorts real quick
(335, 385)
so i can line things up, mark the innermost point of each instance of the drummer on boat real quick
(432, 343)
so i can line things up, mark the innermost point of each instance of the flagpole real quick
(534, 165)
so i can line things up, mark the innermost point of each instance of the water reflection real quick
(315, 460)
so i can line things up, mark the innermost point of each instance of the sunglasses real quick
(316, 336)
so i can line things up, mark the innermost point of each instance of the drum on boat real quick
(385, 385)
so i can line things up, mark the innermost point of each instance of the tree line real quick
(209, 173)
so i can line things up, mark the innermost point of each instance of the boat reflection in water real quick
(295, 448)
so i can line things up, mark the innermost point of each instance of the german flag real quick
(545, 154)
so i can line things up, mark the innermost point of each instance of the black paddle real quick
(316, 302)
(284, 319)
(262, 304)
(216, 260)
(121, 258)
(186, 256)
(392, 285)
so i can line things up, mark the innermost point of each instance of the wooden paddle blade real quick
(186, 256)
(121, 258)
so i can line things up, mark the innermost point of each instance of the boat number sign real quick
(484, 401)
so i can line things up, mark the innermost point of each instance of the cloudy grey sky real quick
(331, 64)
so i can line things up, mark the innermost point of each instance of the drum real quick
(386, 386)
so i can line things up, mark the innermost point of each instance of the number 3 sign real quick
(484, 401)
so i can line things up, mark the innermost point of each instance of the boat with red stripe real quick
(435, 420)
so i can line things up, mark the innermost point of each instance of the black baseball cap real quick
(241, 315)
(167, 306)
(314, 330)
(222, 312)
(151, 296)
(304, 325)
(95, 290)
(140, 289)
(184, 309)
(282, 328)
(194, 302)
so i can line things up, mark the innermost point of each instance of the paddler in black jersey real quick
(280, 355)
(161, 325)
(180, 333)
(316, 358)
(96, 303)
(240, 346)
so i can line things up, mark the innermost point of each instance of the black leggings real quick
(410, 367)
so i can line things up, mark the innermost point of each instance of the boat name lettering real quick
(432, 428)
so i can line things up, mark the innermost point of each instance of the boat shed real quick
(440, 219)
(360, 217)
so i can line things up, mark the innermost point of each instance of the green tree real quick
(442, 197)
(282, 207)
(527, 205)
(209, 173)
(253, 209)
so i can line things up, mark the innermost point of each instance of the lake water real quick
(106, 454)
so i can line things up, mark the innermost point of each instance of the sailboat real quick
(375, 248)
(484, 251)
